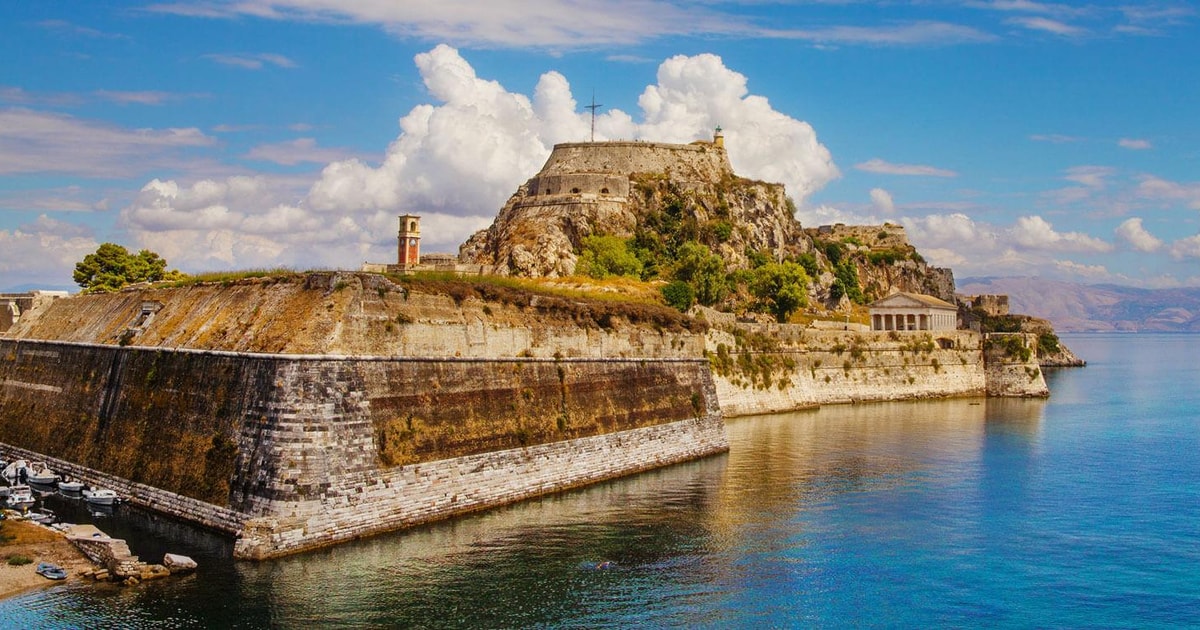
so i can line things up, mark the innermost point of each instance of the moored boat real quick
(100, 496)
(70, 486)
(43, 516)
(40, 473)
(13, 469)
(20, 496)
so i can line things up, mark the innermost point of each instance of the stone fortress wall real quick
(291, 452)
(295, 414)
(697, 162)
(795, 367)
(872, 236)
(412, 409)
(14, 305)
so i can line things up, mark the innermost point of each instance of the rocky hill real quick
(1097, 308)
(663, 195)
(616, 188)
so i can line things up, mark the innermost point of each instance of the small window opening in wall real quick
(412, 226)
(603, 191)
(547, 191)
(574, 191)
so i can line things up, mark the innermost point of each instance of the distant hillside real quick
(1095, 308)
(23, 288)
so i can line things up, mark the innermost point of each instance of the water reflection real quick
(698, 544)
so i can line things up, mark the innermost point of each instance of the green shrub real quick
(680, 295)
(602, 256)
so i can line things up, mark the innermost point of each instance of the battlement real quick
(699, 161)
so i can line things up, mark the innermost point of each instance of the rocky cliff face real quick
(615, 188)
(667, 194)
(884, 261)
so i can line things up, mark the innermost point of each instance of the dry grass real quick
(590, 303)
(227, 277)
(14, 533)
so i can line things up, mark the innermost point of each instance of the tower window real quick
(574, 191)
(603, 191)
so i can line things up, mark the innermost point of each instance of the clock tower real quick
(410, 241)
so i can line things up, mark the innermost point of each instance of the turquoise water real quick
(1078, 511)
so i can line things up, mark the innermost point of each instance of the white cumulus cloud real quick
(44, 252)
(882, 200)
(454, 162)
(1186, 248)
(1132, 233)
(1034, 232)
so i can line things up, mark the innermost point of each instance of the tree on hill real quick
(782, 288)
(606, 255)
(111, 267)
(698, 266)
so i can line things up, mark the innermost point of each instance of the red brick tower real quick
(410, 241)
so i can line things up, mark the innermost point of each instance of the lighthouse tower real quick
(409, 251)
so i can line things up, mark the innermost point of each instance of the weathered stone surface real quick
(612, 187)
(795, 367)
(176, 563)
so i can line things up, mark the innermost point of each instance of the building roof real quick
(909, 300)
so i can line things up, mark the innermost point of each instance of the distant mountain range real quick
(1095, 308)
(22, 288)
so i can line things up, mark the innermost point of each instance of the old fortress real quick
(298, 411)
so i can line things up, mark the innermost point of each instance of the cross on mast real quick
(593, 107)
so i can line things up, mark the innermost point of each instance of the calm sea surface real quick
(1078, 511)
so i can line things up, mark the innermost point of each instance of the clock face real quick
(412, 242)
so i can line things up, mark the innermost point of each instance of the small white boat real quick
(13, 470)
(20, 496)
(100, 496)
(70, 486)
(43, 516)
(39, 473)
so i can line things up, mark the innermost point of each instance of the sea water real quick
(1082, 510)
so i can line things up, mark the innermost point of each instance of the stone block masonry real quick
(292, 452)
(781, 367)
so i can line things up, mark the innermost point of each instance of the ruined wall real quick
(779, 367)
(347, 445)
(874, 236)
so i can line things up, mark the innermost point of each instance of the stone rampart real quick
(874, 236)
(699, 161)
(297, 451)
(770, 368)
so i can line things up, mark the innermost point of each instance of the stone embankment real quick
(764, 368)
(292, 451)
(295, 413)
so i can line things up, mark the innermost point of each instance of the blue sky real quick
(1010, 137)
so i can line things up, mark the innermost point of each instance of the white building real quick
(913, 311)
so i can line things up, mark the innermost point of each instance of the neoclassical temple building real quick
(913, 311)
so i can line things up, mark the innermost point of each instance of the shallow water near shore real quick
(1080, 510)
